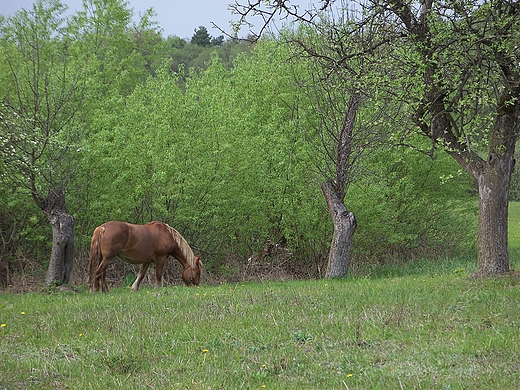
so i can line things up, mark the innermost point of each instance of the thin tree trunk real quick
(4, 264)
(9, 243)
(344, 228)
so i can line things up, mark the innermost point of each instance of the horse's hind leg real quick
(140, 275)
(94, 279)
(104, 284)
(94, 284)
(101, 275)
(97, 280)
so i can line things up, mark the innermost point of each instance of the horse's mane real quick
(183, 246)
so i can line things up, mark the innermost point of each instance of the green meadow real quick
(424, 326)
(423, 331)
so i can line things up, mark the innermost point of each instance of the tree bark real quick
(62, 254)
(494, 179)
(493, 184)
(344, 227)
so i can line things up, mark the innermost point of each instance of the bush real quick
(412, 207)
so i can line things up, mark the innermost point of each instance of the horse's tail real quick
(95, 253)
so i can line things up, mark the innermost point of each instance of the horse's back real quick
(114, 238)
(115, 229)
(133, 243)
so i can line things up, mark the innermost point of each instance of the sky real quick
(175, 17)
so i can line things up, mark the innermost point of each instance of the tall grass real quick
(424, 331)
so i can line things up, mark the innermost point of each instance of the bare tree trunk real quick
(62, 255)
(344, 228)
(493, 183)
(494, 179)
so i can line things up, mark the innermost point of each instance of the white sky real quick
(175, 17)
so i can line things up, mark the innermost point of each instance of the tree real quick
(217, 41)
(339, 131)
(49, 61)
(201, 37)
(120, 56)
(458, 67)
(41, 94)
(469, 100)
(345, 118)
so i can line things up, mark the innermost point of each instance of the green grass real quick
(425, 331)
(514, 227)
(418, 325)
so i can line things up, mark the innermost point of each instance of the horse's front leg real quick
(140, 275)
(159, 266)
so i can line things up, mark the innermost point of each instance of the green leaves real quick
(42, 91)
(220, 160)
(220, 151)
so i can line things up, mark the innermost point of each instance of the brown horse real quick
(140, 244)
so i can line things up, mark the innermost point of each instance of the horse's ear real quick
(197, 261)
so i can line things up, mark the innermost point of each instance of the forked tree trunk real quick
(493, 185)
(62, 254)
(344, 228)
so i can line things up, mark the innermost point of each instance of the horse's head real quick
(191, 276)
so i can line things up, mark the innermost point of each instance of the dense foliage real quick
(223, 152)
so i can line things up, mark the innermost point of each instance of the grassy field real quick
(415, 332)
(422, 326)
